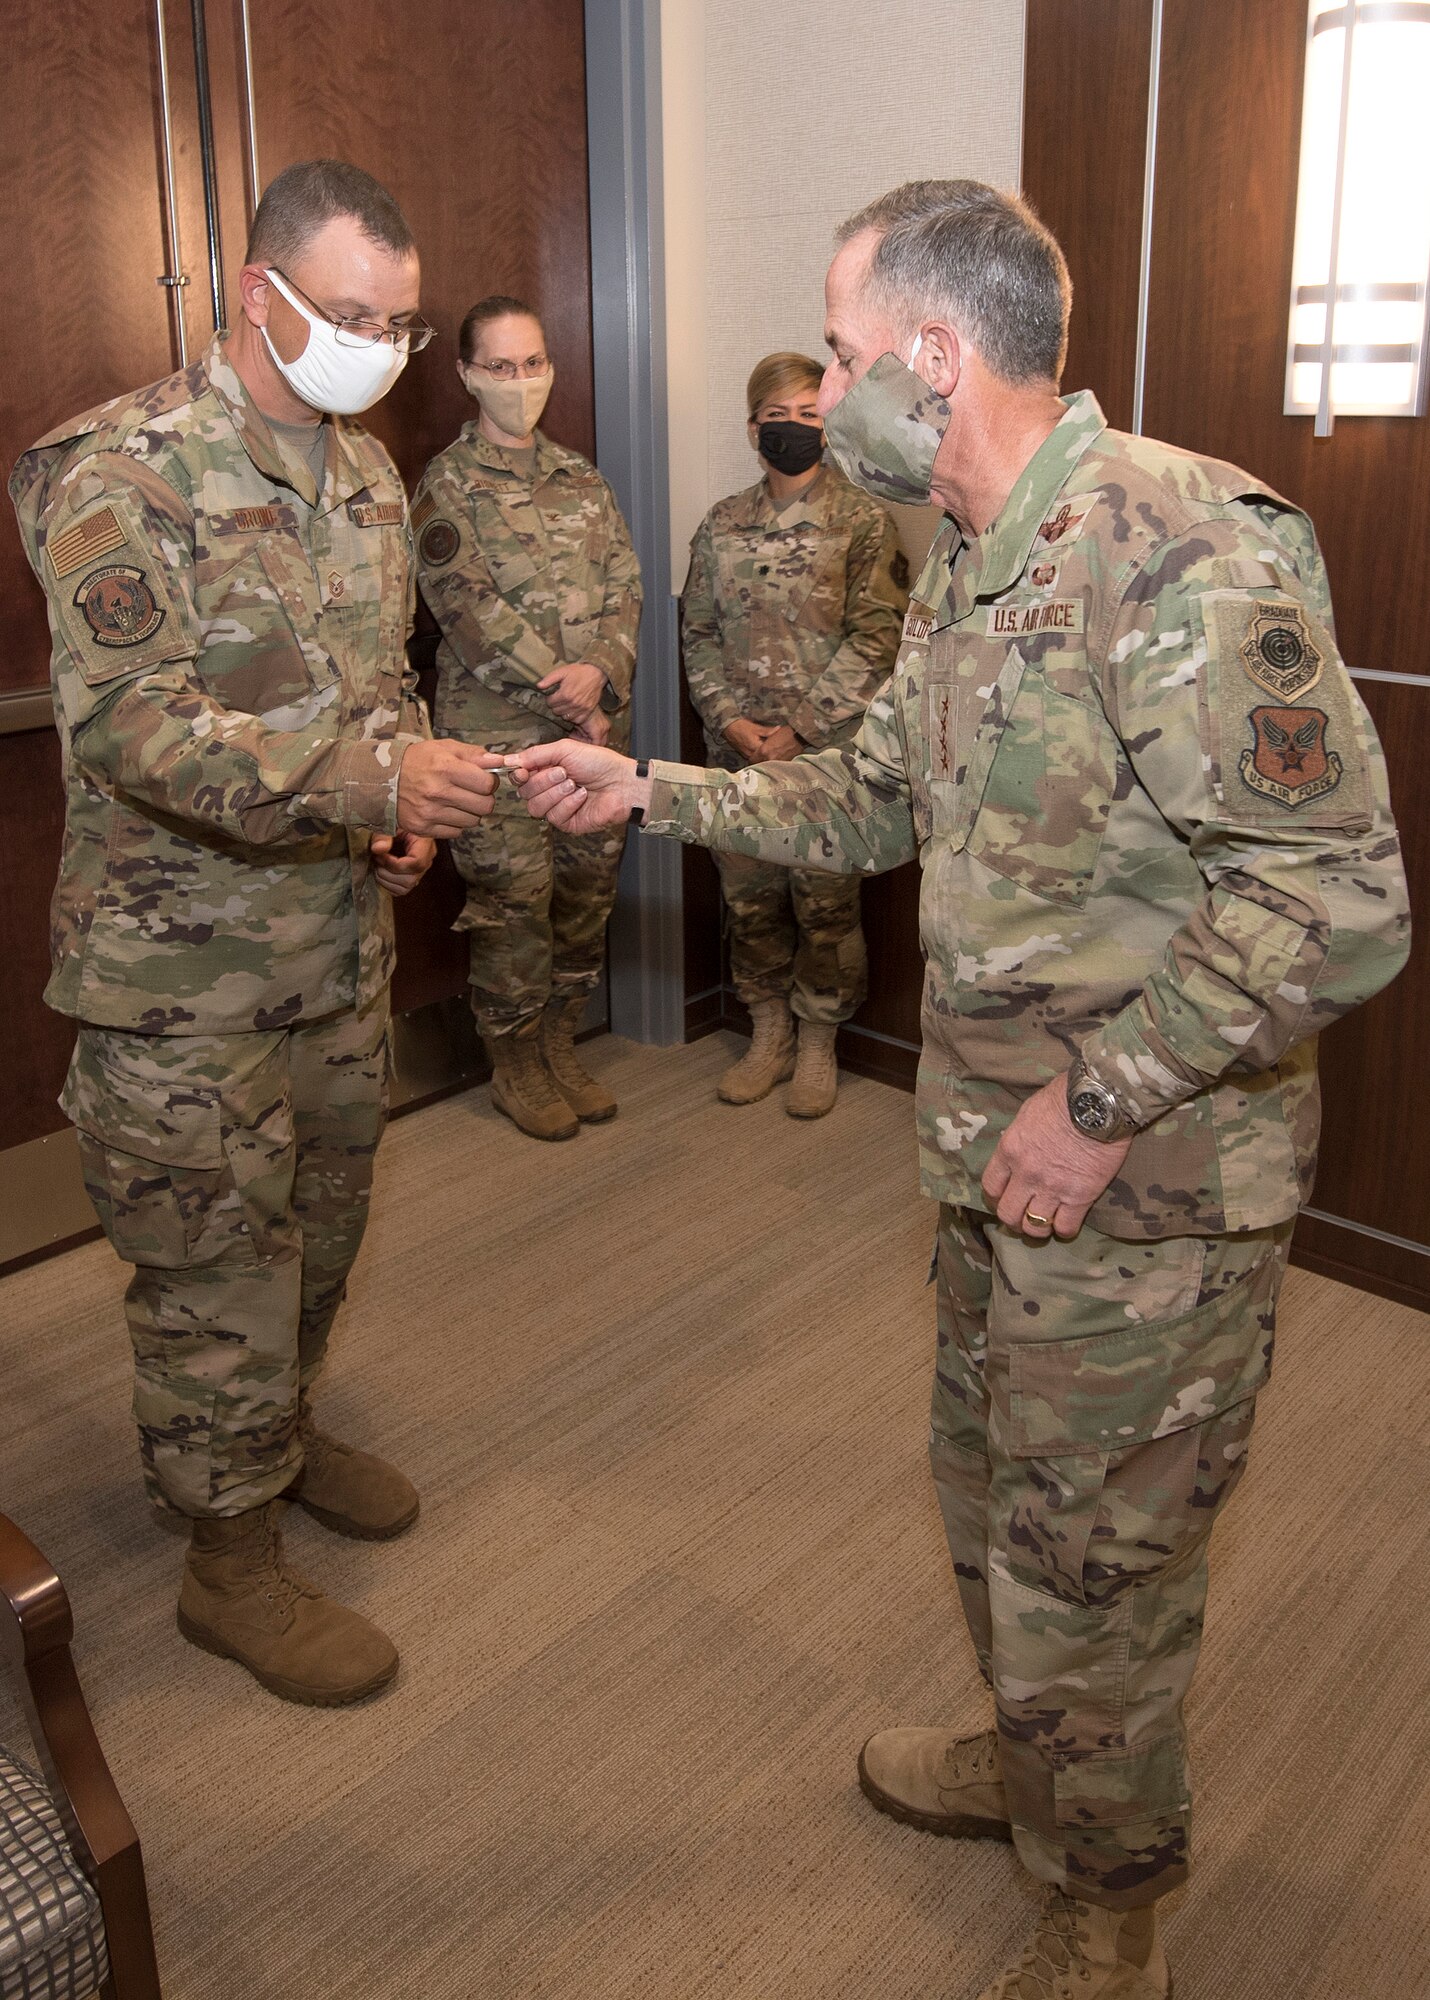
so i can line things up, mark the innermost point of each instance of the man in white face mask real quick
(527, 566)
(250, 779)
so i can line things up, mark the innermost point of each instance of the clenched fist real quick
(444, 787)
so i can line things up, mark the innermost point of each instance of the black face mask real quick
(791, 448)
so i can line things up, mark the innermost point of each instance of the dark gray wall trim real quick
(623, 111)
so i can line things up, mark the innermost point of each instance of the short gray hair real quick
(982, 259)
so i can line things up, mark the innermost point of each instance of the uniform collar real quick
(342, 474)
(548, 457)
(764, 511)
(989, 564)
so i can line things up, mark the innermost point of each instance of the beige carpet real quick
(664, 1390)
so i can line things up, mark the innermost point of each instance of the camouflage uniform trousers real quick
(1082, 1562)
(233, 1172)
(538, 902)
(795, 932)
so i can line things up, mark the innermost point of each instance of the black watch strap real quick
(642, 771)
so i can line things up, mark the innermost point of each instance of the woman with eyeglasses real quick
(528, 568)
(790, 623)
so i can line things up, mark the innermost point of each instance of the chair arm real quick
(36, 1626)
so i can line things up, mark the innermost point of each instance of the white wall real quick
(781, 117)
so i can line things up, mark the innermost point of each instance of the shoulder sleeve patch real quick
(1282, 715)
(112, 600)
(422, 513)
(439, 543)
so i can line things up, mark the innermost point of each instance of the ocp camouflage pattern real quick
(232, 695)
(1065, 744)
(791, 615)
(1092, 1410)
(527, 566)
(795, 935)
(233, 1172)
(525, 570)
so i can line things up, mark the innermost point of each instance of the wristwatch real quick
(1094, 1109)
(637, 814)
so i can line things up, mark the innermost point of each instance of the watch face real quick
(1091, 1111)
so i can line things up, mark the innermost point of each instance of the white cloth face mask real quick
(329, 375)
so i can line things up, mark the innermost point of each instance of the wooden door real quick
(1223, 223)
(473, 113)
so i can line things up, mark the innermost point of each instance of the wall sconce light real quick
(1361, 266)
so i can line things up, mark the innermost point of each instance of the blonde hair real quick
(770, 378)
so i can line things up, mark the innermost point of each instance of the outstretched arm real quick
(845, 810)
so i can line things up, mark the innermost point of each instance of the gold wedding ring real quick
(1038, 1221)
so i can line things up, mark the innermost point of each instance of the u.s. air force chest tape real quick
(110, 595)
(1282, 717)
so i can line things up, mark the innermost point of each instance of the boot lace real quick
(1052, 1961)
(971, 1757)
(282, 1585)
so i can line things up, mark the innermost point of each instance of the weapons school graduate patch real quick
(440, 542)
(118, 606)
(1279, 653)
(1285, 758)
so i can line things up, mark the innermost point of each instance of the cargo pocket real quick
(1123, 1787)
(155, 1165)
(1108, 1391)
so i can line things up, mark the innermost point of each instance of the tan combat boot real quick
(524, 1088)
(816, 1072)
(939, 1783)
(1082, 1952)
(591, 1101)
(350, 1491)
(241, 1600)
(768, 1060)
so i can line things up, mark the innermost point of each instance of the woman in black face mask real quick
(791, 620)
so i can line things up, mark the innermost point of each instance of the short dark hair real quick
(984, 259)
(300, 200)
(496, 305)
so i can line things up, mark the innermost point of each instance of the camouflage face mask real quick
(885, 434)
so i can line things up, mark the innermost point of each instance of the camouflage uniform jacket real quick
(792, 615)
(232, 696)
(1152, 817)
(524, 572)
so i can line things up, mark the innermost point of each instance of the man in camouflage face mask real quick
(1158, 858)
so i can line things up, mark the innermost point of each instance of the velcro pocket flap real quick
(1111, 1390)
(141, 1112)
(510, 568)
(1122, 1787)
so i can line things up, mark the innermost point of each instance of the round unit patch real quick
(440, 542)
(1279, 653)
(119, 606)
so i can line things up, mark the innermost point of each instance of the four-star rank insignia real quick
(1279, 653)
(118, 605)
(1290, 762)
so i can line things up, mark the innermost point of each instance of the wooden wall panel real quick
(37, 1042)
(1086, 74)
(1226, 171)
(475, 118)
(1228, 145)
